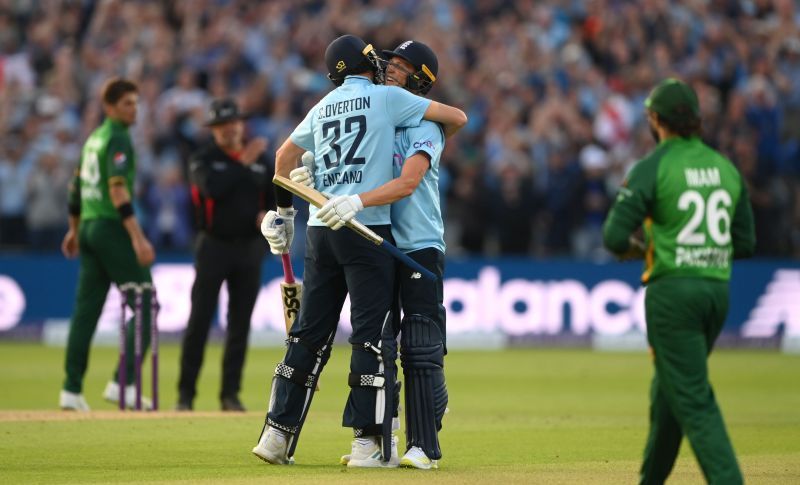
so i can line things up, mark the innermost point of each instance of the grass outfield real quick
(517, 416)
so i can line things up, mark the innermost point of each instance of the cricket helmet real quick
(348, 55)
(424, 61)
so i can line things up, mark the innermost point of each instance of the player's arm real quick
(285, 161)
(405, 109)
(743, 233)
(121, 200)
(69, 246)
(215, 184)
(414, 169)
(277, 226)
(119, 154)
(629, 211)
(452, 119)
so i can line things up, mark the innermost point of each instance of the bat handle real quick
(408, 261)
(288, 273)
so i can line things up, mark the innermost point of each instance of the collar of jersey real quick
(114, 123)
(355, 78)
(678, 139)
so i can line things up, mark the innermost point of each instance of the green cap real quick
(673, 100)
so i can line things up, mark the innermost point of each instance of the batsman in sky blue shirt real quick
(417, 219)
(350, 132)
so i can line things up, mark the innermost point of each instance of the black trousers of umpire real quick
(338, 262)
(239, 264)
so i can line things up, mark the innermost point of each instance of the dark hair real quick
(114, 89)
(685, 125)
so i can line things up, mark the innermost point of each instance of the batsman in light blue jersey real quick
(361, 116)
(417, 219)
(351, 133)
(418, 230)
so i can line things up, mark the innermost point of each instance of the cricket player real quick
(351, 133)
(697, 218)
(418, 230)
(104, 231)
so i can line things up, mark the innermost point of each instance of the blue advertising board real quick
(513, 297)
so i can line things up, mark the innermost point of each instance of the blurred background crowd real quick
(553, 89)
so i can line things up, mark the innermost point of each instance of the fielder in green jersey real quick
(104, 231)
(696, 215)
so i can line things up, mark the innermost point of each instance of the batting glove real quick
(302, 175)
(338, 210)
(278, 229)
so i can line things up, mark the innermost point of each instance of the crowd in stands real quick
(554, 91)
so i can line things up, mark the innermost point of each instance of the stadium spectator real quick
(511, 64)
(46, 193)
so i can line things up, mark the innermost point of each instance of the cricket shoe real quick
(366, 453)
(272, 447)
(345, 459)
(416, 458)
(70, 401)
(111, 394)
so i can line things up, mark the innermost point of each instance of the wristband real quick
(283, 198)
(125, 210)
(287, 212)
(74, 209)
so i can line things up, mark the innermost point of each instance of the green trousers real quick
(684, 318)
(106, 257)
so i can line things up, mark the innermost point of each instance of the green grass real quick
(517, 416)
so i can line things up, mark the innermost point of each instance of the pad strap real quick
(371, 430)
(319, 352)
(282, 427)
(366, 380)
(369, 348)
(298, 377)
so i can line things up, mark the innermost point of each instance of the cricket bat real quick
(318, 199)
(291, 295)
(291, 291)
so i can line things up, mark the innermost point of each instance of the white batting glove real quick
(338, 210)
(308, 161)
(278, 229)
(302, 175)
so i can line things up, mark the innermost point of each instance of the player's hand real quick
(253, 150)
(145, 254)
(338, 210)
(636, 250)
(278, 229)
(302, 175)
(69, 246)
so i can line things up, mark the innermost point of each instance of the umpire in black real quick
(229, 181)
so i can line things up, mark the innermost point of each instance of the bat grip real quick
(406, 259)
(288, 273)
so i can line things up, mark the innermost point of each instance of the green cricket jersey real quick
(106, 156)
(694, 207)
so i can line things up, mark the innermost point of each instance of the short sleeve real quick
(403, 108)
(119, 156)
(428, 138)
(303, 134)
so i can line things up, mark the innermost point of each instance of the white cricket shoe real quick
(416, 458)
(111, 394)
(70, 401)
(345, 459)
(272, 447)
(366, 453)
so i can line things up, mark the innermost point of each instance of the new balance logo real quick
(415, 275)
(777, 306)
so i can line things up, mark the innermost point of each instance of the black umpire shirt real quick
(228, 195)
